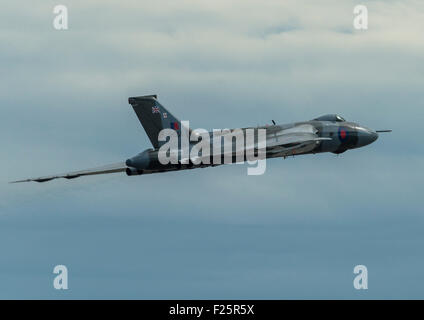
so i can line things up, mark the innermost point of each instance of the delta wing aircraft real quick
(328, 133)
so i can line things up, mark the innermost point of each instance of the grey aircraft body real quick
(328, 133)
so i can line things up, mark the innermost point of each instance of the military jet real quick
(328, 133)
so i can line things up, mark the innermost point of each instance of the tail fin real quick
(153, 117)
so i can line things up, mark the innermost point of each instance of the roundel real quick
(342, 133)
(175, 125)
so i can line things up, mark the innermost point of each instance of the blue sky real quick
(295, 232)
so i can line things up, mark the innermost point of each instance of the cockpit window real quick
(331, 117)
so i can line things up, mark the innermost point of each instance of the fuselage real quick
(329, 133)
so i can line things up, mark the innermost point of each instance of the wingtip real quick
(32, 180)
(19, 181)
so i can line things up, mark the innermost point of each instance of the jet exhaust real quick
(133, 172)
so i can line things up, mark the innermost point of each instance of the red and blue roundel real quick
(175, 125)
(343, 134)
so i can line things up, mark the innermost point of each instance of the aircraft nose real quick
(366, 136)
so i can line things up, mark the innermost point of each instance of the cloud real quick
(63, 106)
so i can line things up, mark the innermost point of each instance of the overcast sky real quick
(295, 232)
